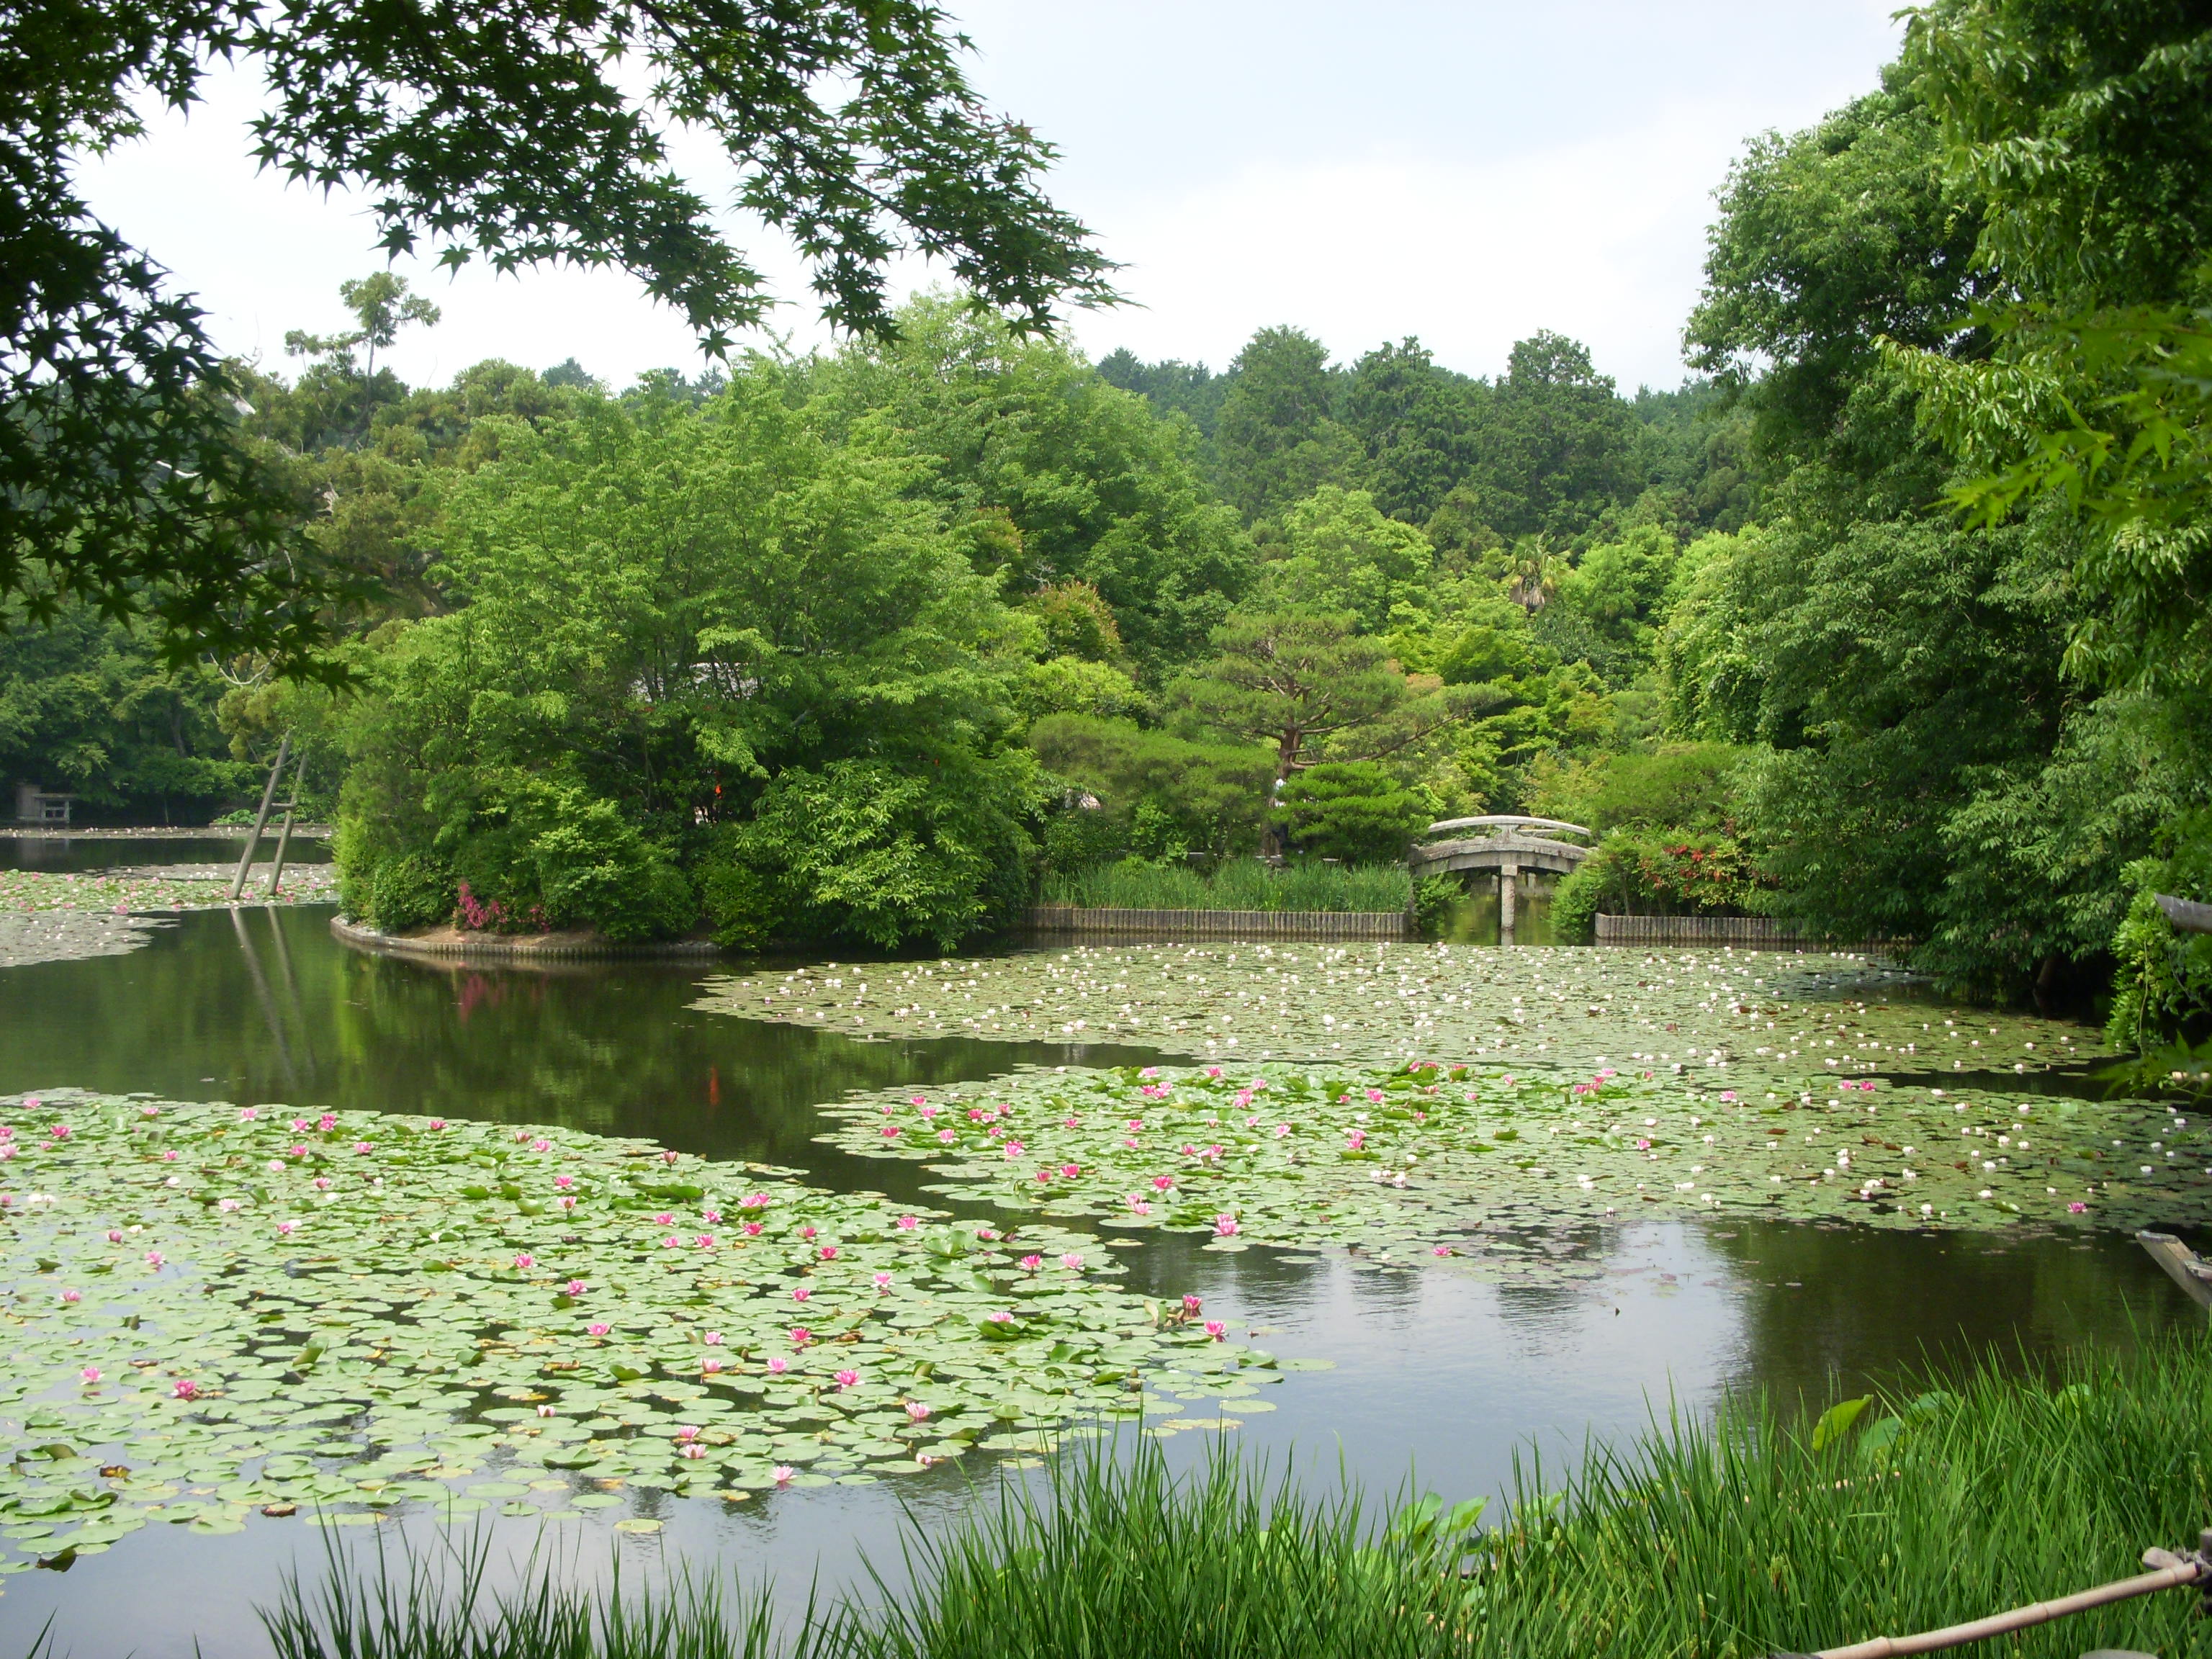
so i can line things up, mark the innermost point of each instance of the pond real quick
(148, 849)
(1581, 1317)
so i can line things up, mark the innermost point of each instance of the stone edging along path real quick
(1223, 924)
(451, 944)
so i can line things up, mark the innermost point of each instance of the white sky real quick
(1468, 173)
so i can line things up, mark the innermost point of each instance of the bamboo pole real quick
(2172, 1572)
(284, 835)
(260, 819)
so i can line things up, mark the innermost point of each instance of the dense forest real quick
(1891, 620)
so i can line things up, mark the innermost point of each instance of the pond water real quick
(1440, 1375)
(74, 852)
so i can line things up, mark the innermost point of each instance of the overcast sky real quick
(1467, 173)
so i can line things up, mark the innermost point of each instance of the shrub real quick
(1216, 793)
(412, 891)
(861, 850)
(1645, 873)
(1082, 838)
(1354, 810)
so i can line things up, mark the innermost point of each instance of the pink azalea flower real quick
(598, 1328)
(847, 1379)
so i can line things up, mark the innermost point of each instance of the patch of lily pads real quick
(1377, 1003)
(1426, 1159)
(214, 1309)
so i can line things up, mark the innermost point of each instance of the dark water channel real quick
(68, 854)
(1438, 1375)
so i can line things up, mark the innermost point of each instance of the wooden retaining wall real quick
(1225, 924)
(517, 948)
(1751, 932)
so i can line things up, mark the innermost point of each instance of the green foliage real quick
(2162, 982)
(122, 478)
(859, 851)
(1215, 795)
(88, 707)
(412, 891)
(1340, 554)
(1276, 437)
(1053, 476)
(1355, 810)
(1647, 872)
(1676, 785)
(1307, 884)
(1434, 899)
(1081, 838)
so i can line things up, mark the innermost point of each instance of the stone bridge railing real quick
(1502, 844)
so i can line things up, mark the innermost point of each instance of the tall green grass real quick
(1740, 1538)
(1236, 885)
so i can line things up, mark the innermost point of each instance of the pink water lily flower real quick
(801, 1336)
(568, 1203)
(692, 1449)
(327, 1122)
(523, 1259)
(89, 1374)
(704, 1242)
(321, 1183)
(72, 1296)
(752, 1230)
(669, 1159)
(598, 1328)
(1225, 1226)
(1138, 1206)
(362, 1148)
(799, 1293)
(783, 1473)
(778, 1365)
(713, 1339)
(286, 1229)
(1071, 1170)
(1044, 1175)
(1216, 1329)
(575, 1288)
(169, 1156)
(436, 1123)
(882, 1281)
(2076, 1208)
(1013, 1150)
(907, 1224)
(916, 1412)
(807, 1232)
(890, 1131)
(712, 1218)
(1163, 1183)
(564, 1181)
(1031, 1263)
(115, 1235)
(60, 1131)
(546, 1410)
(541, 1145)
(154, 1258)
(1191, 1304)
(711, 1364)
(227, 1205)
(184, 1388)
(687, 1432)
(828, 1253)
(246, 1114)
(848, 1379)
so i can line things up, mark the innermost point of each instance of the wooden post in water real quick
(284, 835)
(1508, 894)
(260, 819)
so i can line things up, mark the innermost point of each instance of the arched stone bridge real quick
(1506, 846)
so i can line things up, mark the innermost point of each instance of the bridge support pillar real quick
(1509, 893)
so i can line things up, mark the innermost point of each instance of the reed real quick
(1237, 884)
(1939, 1501)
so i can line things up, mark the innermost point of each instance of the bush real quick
(412, 891)
(1083, 838)
(861, 850)
(1354, 810)
(1434, 897)
(1216, 793)
(1645, 873)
